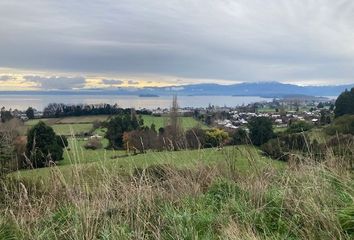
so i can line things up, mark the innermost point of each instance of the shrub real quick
(239, 137)
(281, 147)
(93, 144)
(343, 147)
(216, 137)
(299, 126)
(342, 125)
(275, 149)
(196, 138)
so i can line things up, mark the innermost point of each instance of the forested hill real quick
(263, 89)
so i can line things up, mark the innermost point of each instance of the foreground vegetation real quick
(118, 159)
(133, 177)
(164, 199)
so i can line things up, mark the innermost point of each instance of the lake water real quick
(21, 102)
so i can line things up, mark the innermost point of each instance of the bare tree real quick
(174, 128)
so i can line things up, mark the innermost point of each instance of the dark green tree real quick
(239, 136)
(320, 105)
(344, 103)
(117, 126)
(62, 141)
(5, 115)
(261, 130)
(30, 113)
(325, 117)
(43, 145)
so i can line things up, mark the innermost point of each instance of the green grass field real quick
(69, 120)
(187, 122)
(243, 157)
(72, 129)
(74, 125)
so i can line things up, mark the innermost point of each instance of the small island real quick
(148, 95)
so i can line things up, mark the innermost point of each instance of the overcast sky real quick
(66, 44)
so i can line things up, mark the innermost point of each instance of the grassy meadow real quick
(230, 193)
(186, 122)
(233, 193)
(69, 126)
(244, 158)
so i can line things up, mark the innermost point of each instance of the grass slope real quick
(74, 125)
(243, 157)
(187, 122)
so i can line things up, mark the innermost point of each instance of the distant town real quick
(316, 110)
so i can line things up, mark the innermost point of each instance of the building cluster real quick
(238, 119)
(22, 114)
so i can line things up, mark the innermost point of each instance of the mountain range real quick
(262, 89)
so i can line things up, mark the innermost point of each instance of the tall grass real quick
(306, 200)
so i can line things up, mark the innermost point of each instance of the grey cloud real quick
(112, 82)
(131, 82)
(236, 40)
(5, 78)
(57, 83)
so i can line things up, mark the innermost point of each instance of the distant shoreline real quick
(148, 95)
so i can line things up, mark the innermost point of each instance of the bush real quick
(299, 126)
(239, 137)
(216, 137)
(275, 149)
(93, 144)
(196, 138)
(280, 147)
(343, 147)
(342, 125)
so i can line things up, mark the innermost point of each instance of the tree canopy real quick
(30, 113)
(118, 125)
(43, 145)
(344, 103)
(261, 130)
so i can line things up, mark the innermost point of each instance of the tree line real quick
(66, 110)
(126, 130)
